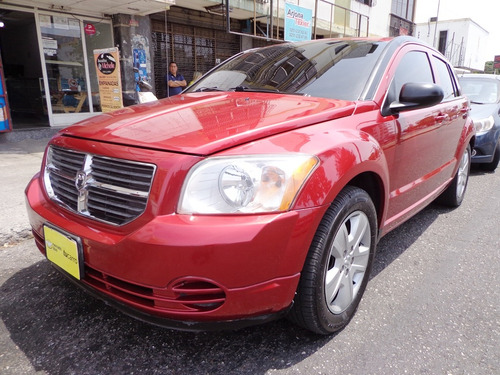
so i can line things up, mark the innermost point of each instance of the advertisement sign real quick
(140, 71)
(89, 29)
(298, 23)
(109, 78)
(496, 63)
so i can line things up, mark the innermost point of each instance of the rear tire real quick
(455, 192)
(338, 264)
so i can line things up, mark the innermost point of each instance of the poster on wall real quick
(108, 74)
(298, 22)
(140, 66)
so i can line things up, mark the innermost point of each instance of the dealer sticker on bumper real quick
(64, 251)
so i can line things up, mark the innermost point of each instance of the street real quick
(432, 306)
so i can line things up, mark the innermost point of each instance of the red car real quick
(260, 191)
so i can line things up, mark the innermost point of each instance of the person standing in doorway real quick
(174, 82)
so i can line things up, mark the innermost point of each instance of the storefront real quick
(48, 65)
(196, 41)
(48, 57)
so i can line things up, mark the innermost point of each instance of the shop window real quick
(97, 36)
(68, 59)
(64, 59)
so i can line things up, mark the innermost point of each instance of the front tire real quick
(338, 264)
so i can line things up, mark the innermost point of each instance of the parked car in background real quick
(262, 190)
(483, 90)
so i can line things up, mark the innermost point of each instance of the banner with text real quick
(108, 74)
(298, 23)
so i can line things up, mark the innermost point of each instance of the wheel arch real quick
(373, 185)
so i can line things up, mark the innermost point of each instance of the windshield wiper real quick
(261, 89)
(477, 102)
(253, 89)
(203, 89)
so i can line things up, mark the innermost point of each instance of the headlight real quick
(245, 184)
(484, 124)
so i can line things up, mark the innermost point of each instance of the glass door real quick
(67, 43)
(65, 64)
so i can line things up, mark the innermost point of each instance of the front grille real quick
(111, 190)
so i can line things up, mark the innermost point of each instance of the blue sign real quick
(298, 23)
(140, 64)
(4, 109)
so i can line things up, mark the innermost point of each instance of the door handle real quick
(441, 118)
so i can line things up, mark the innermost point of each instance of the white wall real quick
(379, 16)
(466, 41)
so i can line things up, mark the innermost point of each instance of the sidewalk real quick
(19, 160)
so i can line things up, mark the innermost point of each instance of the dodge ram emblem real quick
(80, 180)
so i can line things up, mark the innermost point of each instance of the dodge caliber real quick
(259, 192)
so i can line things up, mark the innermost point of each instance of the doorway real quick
(23, 70)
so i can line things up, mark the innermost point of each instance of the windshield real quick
(481, 90)
(331, 69)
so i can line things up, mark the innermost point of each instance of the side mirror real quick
(417, 95)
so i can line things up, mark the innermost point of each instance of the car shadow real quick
(396, 242)
(61, 329)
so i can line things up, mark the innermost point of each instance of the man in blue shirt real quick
(174, 82)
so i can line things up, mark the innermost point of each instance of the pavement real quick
(21, 156)
(431, 306)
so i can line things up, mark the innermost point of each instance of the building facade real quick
(460, 40)
(48, 69)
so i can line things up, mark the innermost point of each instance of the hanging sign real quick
(298, 21)
(108, 74)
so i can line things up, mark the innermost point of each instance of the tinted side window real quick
(413, 67)
(444, 78)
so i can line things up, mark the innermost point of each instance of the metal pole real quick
(435, 28)
(272, 23)
(254, 19)
(167, 42)
(228, 21)
(315, 17)
(278, 19)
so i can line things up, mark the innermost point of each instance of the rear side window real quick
(414, 67)
(444, 79)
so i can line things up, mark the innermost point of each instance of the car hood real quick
(204, 123)
(482, 111)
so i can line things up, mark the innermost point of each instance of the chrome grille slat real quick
(119, 189)
(106, 202)
(65, 192)
(67, 162)
(117, 207)
(128, 176)
(119, 181)
(111, 190)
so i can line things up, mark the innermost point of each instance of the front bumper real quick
(485, 146)
(188, 272)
